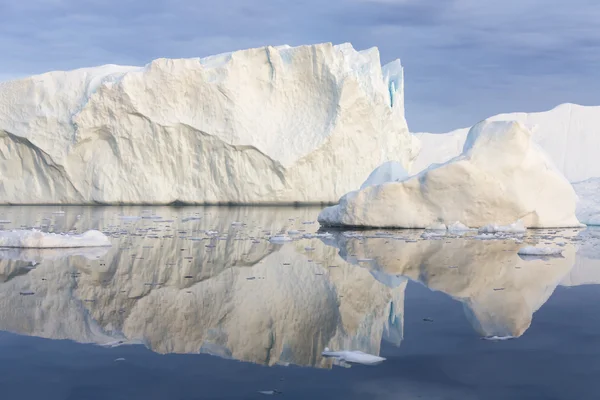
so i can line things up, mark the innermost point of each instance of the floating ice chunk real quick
(515, 227)
(187, 219)
(36, 255)
(498, 338)
(540, 251)
(353, 356)
(433, 234)
(458, 227)
(129, 217)
(280, 239)
(42, 240)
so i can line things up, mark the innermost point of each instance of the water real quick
(198, 303)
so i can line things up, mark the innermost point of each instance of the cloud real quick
(464, 59)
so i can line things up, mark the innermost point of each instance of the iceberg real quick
(269, 125)
(501, 176)
(35, 239)
(569, 134)
(588, 206)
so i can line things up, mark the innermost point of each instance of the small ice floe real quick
(119, 359)
(353, 357)
(129, 217)
(498, 338)
(35, 256)
(540, 251)
(485, 236)
(515, 227)
(433, 234)
(4, 222)
(364, 260)
(458, 227)
(187, 219)
(269, 392)
(42, 240)
(58, 213)
(121, 342)
(280, 239)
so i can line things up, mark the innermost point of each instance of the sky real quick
(464, 60)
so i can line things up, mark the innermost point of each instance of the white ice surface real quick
(569, 134)
(41, 240)
(353, 357)
(266, 125)
(387, 172)
(501, 176)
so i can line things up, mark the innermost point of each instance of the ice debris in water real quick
(38, 239)
(515, 227)
(540, 251)
(280, 239)
(353, 357)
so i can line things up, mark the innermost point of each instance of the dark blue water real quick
(440, 353)
(557, 358)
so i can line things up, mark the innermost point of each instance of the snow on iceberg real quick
(501, 176)
(569, 134)
(266, 125)
(41, 240)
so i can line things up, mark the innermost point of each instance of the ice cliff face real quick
(267, 125)
(501, 176)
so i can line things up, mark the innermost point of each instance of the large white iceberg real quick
(502, 176)
(266, 125)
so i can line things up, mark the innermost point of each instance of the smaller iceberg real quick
(501, 176)
(35, 239)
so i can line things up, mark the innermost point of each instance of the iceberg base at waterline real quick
(501, 177)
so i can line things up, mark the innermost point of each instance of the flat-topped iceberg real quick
(266, 125)
(501, 176)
